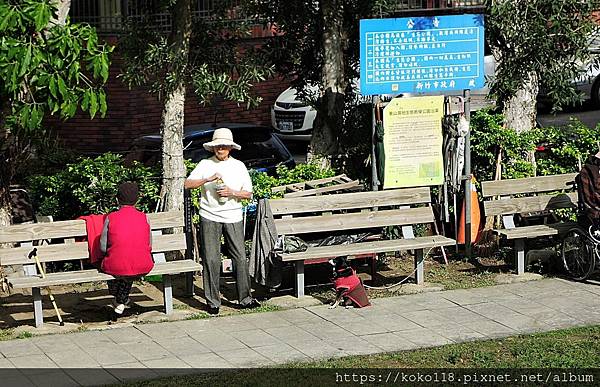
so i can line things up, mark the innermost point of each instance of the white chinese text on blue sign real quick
(421, 54)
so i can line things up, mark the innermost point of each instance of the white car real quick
(588, 83)
(293, 119)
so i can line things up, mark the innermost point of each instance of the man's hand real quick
(230, 193)
(214, 177)
(195, 183)
(226, 192)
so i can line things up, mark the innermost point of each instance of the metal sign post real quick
(374, 176)
(467, 101)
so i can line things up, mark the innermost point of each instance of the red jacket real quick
(93, 226)
(129, 251)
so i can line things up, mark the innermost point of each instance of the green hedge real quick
(557, 149)
(89, 186)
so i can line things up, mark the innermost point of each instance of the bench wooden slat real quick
(530, 204)
(91, 275)
(357, 220)
(168, 219)
(76, 228)
(315, 191)
(536, 230)
(283, 188)
(351, 200)
(79, 250)
(369, 247)
(37, 231)
(527, 185)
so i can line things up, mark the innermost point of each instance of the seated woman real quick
(126, 241)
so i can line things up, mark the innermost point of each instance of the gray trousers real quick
(210, 251)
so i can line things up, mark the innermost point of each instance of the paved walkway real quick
(305, 334)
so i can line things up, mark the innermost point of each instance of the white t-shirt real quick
(234, 175)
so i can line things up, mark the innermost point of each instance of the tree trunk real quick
(172, 119)
(330, 110)
(5, 206)
(520, 111)
(172, 150)
(63, 11)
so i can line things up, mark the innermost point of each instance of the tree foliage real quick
(317, 47)
(298, 49)
(549, 38)
(46, 67)
(222, 64)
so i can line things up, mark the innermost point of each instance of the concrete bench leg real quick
(189, 284)
(168, 294)
(299, 265)
(520, 255)
(38, 312)
(419, 267)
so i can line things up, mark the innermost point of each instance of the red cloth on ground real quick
(354, 289)
(94, 225)
(129, 251)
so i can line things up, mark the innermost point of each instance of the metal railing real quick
(431, 5)
(110, 16)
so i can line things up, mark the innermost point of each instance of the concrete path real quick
(304, 334)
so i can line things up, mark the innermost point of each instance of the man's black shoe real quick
(213, 311)
(251, 305)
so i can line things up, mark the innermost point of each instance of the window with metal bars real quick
(108, 16)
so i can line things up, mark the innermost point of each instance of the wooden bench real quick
(353, 212)
(524, 197)
(63, 247)
(332, 184)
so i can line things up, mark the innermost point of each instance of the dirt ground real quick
(86, 306)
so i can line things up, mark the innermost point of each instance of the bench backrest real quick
(70, 231)
(320, 186)
(352, 211)
(534, 194)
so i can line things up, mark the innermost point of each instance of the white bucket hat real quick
(221, 136)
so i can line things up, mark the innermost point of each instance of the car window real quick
(259, 148)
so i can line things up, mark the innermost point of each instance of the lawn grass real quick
(570, 348)
(11, 334)
(454, 276)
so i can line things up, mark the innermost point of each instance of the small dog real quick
(349, 289)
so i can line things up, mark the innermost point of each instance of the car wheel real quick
(596, 93)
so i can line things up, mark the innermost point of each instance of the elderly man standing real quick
(224, 182)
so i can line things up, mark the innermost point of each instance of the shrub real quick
(564, 149)
(488, 137)
(302, 172)
(559, 149)
(89, 186)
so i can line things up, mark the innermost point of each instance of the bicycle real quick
(581, 251)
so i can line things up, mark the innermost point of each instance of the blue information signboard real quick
(421, 54)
